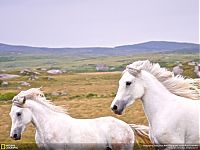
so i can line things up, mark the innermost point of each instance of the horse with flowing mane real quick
(55, 129)
(168, 102)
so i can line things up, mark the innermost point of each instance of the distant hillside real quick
(160, 46)
(147, 47)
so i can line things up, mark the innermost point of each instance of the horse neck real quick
(156, 96)
(43, 117)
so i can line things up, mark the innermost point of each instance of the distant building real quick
(177, 70)
(102, 67)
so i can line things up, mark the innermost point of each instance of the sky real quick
(99, 23)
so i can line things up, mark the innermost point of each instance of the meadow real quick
(87, 63)
(85, 93)
(89, 95)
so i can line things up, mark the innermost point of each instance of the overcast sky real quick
(82, 23)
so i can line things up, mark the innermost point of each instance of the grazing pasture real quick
(88, 95)
(83, 92)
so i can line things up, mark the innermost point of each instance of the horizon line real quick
(72, 47)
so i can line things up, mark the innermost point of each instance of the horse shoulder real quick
(167, 128)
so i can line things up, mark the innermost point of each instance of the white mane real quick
(37, 95)
(175, 84)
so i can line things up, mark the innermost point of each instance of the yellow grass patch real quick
(89, 95)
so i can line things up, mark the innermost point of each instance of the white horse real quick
(57, 130)
(173, 117)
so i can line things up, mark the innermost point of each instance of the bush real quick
(91, 95)
(7, 96)
(76, 96)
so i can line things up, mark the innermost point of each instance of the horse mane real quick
(177, 85)
(38, 96)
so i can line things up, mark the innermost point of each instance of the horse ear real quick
(133, 71)
(24, 100)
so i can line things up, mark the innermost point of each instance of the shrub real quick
(76, 96)
(91, 95)
(7, 96)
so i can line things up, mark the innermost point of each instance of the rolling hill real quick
(147, 47)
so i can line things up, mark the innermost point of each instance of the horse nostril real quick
(15, 135)
(114, 107)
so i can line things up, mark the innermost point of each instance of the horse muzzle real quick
(16, 136)
(118, 107)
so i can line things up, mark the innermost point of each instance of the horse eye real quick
(128, 83)
(19, 114)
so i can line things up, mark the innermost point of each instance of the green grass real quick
(88, 63)
(89, 95)
(7, 96)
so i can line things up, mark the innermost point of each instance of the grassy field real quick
(87, 94)
(88, 63)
